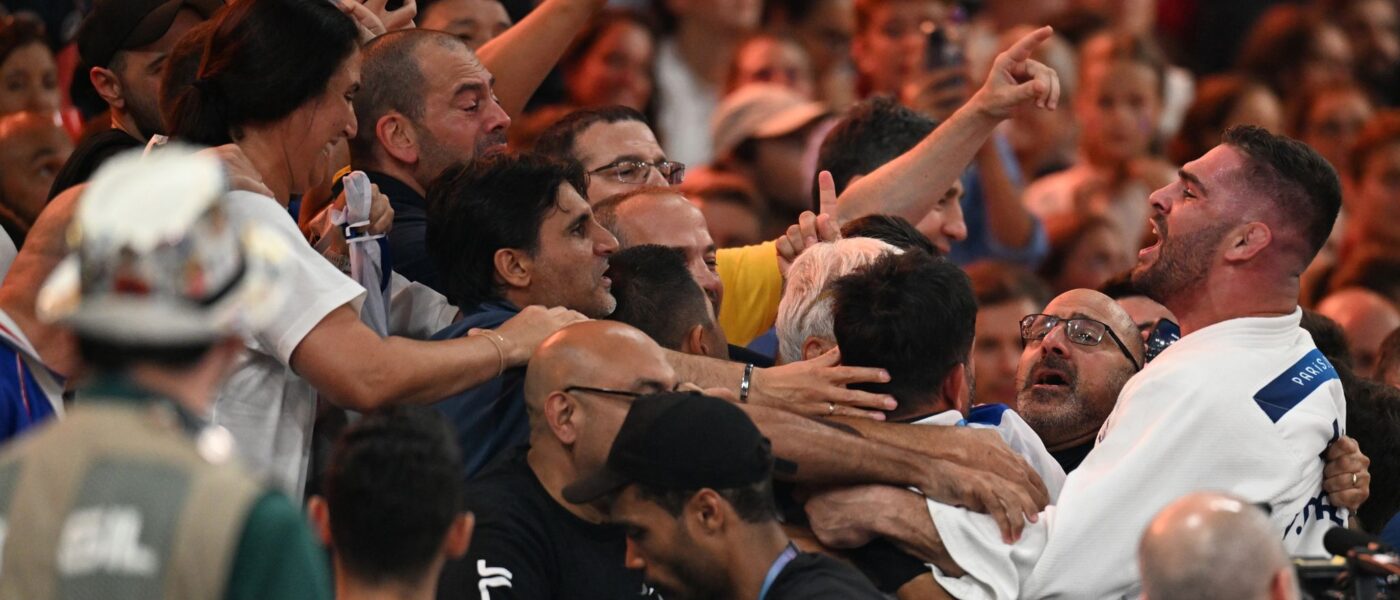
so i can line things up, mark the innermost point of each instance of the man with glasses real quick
(528, 542)
(1075, 359)
(616, 147)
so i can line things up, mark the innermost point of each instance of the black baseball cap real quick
(680, 441)
(116, 25)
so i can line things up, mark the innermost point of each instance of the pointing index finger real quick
(1021, 50)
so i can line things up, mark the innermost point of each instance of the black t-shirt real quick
(1069, 458)
(819, 577)
(89, 155)
(526, 546)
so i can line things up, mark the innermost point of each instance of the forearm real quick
(828, 453)
(906, 522)
(909, 185)
(1007, 219)
(928, 440)
(523, 56)
(706, 372)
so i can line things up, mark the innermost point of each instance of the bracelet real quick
(746, 383)
(498, 343)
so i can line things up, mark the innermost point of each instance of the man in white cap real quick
(134, 495)
(769, 135)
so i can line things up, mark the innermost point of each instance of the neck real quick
(124, 121)
(707, 51)
(349, 587)
(554, 467)
(193, 388)
(264, 149)
(759, 545)
(1079, 439)
(397, 170)
(1233, 296)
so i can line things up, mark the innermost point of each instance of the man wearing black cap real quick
(697, 506)
(124, 45)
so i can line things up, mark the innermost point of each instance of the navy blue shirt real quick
(489, 418)
(23, 403)
(408, 240)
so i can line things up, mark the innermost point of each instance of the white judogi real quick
(1246, 406)
(1017, 434)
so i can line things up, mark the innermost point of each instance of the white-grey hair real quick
(805, 310)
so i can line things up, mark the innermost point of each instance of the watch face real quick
(1164, 334)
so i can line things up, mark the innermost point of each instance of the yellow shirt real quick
(753, 286)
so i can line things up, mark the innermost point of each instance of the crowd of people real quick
(705, 299)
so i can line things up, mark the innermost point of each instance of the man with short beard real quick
(1243, 403)
(124, 44)
(1067, 382)
(426, 103)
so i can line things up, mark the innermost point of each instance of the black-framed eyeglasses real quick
(630, 395)
(636, 171)
(1080, 330)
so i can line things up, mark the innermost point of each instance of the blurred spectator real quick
(656, 293)
(1372, 265)
(125, 47)
(763, 133)
(1005, 293)
(888, 48)
(692, 61)
(475, 22)
(1223, 101)
(1388, 366)
(733, 209)
(27, 69)
(1118, 104)
(1292, 47)
(159, 328)
(1044, 141)
(824, 28)
(1367, 318)
(1330, 118)
(768, 58)
(32, 150)
(1085, 252)
(611, 63)
(1214, 545)
(1373, 418)
(1375, 203)
(392, 509)
(1373, 26)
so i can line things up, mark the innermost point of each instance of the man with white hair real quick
(1214, 545)
(804, 324)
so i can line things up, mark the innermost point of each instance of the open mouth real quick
(1156, 240)
(1050, 378)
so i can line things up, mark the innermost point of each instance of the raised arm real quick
(902, 186)
(523, 55)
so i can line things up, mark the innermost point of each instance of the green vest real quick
(119, 501)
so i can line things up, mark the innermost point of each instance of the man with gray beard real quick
(1075, 359)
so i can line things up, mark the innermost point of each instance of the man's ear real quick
(694, 342)
(514, 267)
(814, 346)
(954, 391)
(459, 536)
(107, 85)
(559, 412)
(320, 515)
(1248, 241)
(397, 137)
(705, 511)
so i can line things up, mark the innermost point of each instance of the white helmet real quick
(157, 261)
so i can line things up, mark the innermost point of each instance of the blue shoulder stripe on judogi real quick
(1294, 384)
(987, 414)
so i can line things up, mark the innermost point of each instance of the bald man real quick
(1213, 545)
(528, 542)
(662, 216)
(32, 150)
(1366, 318)
(1082, 350)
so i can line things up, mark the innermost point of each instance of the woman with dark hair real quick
(28, 74)
(1221, 102)
(610, 63)
(1292, 48)
(275, 78)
